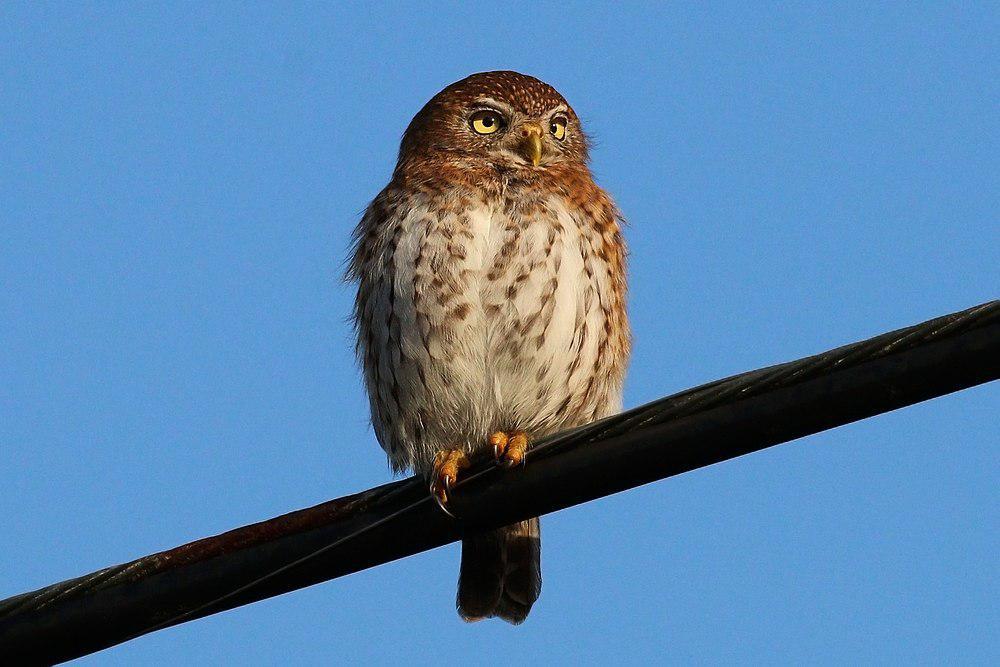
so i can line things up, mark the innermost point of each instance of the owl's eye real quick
(557, 126)
(486, 122)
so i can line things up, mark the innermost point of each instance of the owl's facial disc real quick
(499, 121)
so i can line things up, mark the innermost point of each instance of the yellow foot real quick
(509, 448)
(447, 464)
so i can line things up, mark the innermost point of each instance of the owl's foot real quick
(509, 449)
(447, 464)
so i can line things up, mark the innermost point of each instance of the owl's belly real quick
(492, 324)
(542, 322)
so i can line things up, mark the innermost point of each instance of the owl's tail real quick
(501, 573)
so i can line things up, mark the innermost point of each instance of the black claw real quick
(441, 504)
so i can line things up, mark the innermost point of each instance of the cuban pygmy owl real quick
(491, 303)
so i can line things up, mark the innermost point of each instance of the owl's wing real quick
(376, 324)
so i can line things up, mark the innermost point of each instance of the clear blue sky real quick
(177, 188)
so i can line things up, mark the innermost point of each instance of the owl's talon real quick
(509, 450)
(517, 449)
(447, 464)
(499, 441)
(442, 505)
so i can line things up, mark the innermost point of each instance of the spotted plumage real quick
(491, 299)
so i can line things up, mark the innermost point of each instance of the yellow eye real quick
(486, 122)
(557, 126)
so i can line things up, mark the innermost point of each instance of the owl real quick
(490, 305)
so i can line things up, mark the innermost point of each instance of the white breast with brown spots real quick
(481, 317)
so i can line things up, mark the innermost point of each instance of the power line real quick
(695, 428)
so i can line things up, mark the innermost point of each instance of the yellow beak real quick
(531, 147)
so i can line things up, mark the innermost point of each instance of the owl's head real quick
(505, 119)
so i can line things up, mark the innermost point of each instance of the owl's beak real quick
(531, 146)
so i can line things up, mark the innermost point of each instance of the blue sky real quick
(178, 183)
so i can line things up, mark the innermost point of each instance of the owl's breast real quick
(541, 296)
(475, 317)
